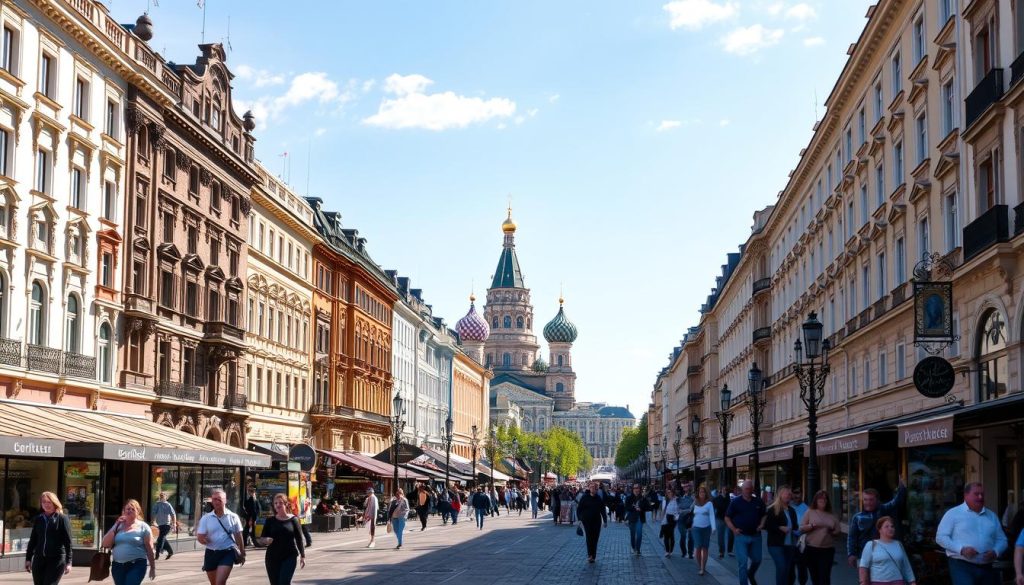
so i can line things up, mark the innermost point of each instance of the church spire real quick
(508, 273)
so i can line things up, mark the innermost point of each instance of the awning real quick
(105, 435)
(933, 431)
(271, 449)
(370, 465)
(843, 444)
(777, 454)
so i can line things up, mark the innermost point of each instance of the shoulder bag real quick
(99, 565)
(234, 547)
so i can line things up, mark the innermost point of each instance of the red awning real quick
(371, 466)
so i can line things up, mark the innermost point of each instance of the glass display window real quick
(26, 480)
(844, 488)
(935, 479)
(81, 498)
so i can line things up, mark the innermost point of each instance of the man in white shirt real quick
(220, 531)
(972, 537)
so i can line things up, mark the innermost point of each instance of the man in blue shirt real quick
(972, 537)
(862, 525)
(745, 517)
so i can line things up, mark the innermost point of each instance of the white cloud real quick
(694, 14)
(724, 122)
(775, 8)
(304, 89)
(801, 12)
(553, 98)
(412, 107)
(747, 40)
(320, 132)
(813, 41)
(258, 77)
(667, 125)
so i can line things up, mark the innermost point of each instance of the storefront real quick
(355, 470)
(94, 462)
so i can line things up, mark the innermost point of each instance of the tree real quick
(567, 455)
(632, 444)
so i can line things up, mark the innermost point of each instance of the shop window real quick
(81, 499)
(935, 479)
(991, 356)
(26, 480)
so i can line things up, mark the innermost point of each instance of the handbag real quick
(99, 565)
(579, 529)
(389, 527)
(234, 547)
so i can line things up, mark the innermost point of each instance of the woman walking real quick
(592, 515)
(820, 527)
(282, 535)
(48, 556)
(399, 513)
(370, 515)
(703, 526)
(669, 516)
(781, 525)
(884, 561)
(131, 541)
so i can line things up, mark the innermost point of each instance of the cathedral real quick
(526, 390)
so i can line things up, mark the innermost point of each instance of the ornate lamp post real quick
(756, 403)
(475, 442)
(447, 438)
(724, 418)
(696, 441)
(675, 447)
(811, 375)
(397, 426)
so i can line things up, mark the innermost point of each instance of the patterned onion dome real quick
(472, 327)
(560, 329)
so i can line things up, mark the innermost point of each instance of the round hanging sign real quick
(934, 377)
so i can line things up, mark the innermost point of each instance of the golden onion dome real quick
(508, 226)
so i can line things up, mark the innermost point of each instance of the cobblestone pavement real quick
(509, 550)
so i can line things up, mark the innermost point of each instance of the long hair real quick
(57, 506)
(138, 509)
(828, 501)
(283, 498)
(778, 506)
(702, 500)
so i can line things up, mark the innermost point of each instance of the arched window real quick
(506, 360)
(559, 387)
(494, 323)
(72, 322)
(519, 322)
(37, 316)
(559, 360)
(507, 322)
(524, 360)
(992, 358)
(104, 353)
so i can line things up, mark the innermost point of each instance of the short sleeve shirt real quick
(217, 537)
(1020, 539)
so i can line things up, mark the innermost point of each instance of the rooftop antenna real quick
(202, 35)
(815, 104)
(227, 39)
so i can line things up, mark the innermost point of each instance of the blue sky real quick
(635, 139)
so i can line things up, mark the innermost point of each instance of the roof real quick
(521, 380)
(370, 465)
(508, 274)
(615, 412)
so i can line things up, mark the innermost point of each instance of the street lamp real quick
(696, 440)
(675, 447)
(397, 426)
(475, 441)
(756, 403)
(811, 375)
(664, 461)
(724, 418)
(447, 438)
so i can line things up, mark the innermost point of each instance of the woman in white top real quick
(703, 526)
(669, 516)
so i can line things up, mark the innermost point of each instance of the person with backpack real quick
(863, 524)
(884, 561)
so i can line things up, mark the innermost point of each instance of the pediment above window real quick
(168, 251)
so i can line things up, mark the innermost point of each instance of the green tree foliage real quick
(632, 444)
(564, 451)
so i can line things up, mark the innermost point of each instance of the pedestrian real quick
(819, 528)
(481, 505)
(669, 517)
(370, 506)
(251, 512)
(48, 555)
(220, 531)
(592, 515)
(422, 505)
(884, 562)
(282, 535)
(636, 506)
(799, 563)
(685, 522)
(725, 536)
(973, 538)
(534, 501)
(131, 542)
(163, 519)
(703, 526)
(444, 506)
(745, 517)
(456, 504)
(781, 527)
(399, 512)
(862, 526)
(495, 511)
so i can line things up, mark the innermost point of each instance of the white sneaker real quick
(371, 545)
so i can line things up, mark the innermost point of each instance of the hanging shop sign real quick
(934, 376)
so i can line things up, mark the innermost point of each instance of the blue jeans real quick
(685, 540)
(454, 516)
(480, 513)
(783, 557)
(128, 573)
(748, 548)
(636, 533)
(725, 536)
(398, 525)
(964, 573)
(281, 572)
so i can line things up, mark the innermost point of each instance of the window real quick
(80, 107)
(193, 182)
(897, 74)
(77, 188)
(901, 261)
(233, 262)
(853, 380)
(507, 322)
(852, 299)
(949, 219)
(506, 360)
(141, 205)
(167, 289)
(5, 219)
(920, 43)
(37, 316)
(948, 108)
(9, 59)
(897, 163)
(192, 237)
(881, 275)
(849, 145)
(867, 373)
(109, 201)
(5, 151)
(236, 209)
(862, 130)
(46, 75)
(879, 185)
(901, 361)
(864, 203)
(215, 196)
(215, 252)
(879, 102)
(191, 298)
(865, 278)
(519, 322)
(988, 183)
(42, 171)
(984, 51)
(105, 354)
(883, 369)
(213, 307)
(139, 273)
(72, 324)
(992, 357)
(168, 223)
(945, 11)
(169, 162)
(107, 270)
(42, 233)
(922, 138)
(922, 234)
(850, 219)
(111, 118)
(272, 238)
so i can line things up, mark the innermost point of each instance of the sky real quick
(634, 141)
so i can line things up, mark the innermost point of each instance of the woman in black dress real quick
(282, 535)
(48, 556)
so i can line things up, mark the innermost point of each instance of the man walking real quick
(744, 517)
(163, 517)
(685, 522)
(370, 514)
(251, 511)
(972, 537)
(592, 515)
(481, 505)
(636, 515)
(725, 537)
(422, 505)
(534, 497)
(862, 525)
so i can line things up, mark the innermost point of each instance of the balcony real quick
(1018, 220)
(762, 333)
(779, 375)
(323, 409)
(77, 365)
(1017, 69)
(178, 391)
(135, 303)
(879, 307)
(219, 330)
(44, 359)
(899, 294)
(693, 370)
(761, 284)
(695, 398)
(990, 228)
(236, 401)
(987, 92)
(10, 352)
